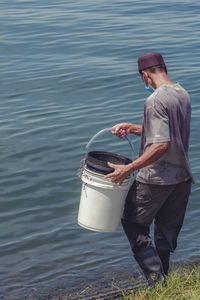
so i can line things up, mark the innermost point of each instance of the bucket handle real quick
(102, 131)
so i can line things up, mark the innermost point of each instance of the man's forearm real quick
(152, 154)
(136, 129)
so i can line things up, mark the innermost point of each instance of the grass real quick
(182, 284)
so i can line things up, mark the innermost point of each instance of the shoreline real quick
(122, 285)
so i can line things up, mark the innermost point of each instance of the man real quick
(162, 186)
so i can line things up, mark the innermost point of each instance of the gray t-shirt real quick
(167, 114)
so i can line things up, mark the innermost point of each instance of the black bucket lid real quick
(96, 161)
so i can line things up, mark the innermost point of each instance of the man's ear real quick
(145, 77)
(145, 73)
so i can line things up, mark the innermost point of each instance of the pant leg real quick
(137, 234)
(143, 251)
(142, 203)
(164, 257)
(169, 221)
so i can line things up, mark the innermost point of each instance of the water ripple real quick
(68, 70)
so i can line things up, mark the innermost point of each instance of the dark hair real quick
(160, 69)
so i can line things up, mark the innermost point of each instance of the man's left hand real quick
(121, 172)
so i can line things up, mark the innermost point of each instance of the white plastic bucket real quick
(101, 203)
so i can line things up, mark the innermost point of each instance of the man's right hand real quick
(121, 129)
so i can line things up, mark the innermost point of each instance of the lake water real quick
(68, 70)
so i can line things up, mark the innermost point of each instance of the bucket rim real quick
(98, 174)
(94, 162)
(88, 177)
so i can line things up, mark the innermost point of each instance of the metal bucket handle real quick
(102, 131)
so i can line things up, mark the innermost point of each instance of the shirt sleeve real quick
(156, 123)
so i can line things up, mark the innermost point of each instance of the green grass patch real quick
(183, 283)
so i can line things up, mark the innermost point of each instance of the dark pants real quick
(166, 205)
